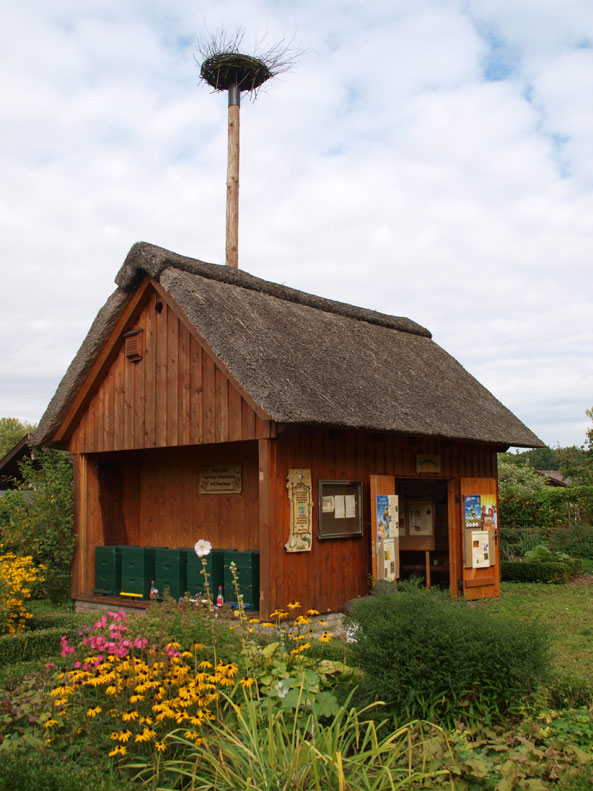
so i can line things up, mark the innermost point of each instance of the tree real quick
(12, 430)
(36, 519)
(516, 479)
(577, 462)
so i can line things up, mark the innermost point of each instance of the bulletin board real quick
(417, 525)
(340, 509)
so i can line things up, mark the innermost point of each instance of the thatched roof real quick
(308, 360)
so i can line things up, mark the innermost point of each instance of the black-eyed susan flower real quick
(92, 712)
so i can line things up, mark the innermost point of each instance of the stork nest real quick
(225, 69)
(223, 64)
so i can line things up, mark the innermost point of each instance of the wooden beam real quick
(264, 456)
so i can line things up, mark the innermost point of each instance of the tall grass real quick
(258, 748)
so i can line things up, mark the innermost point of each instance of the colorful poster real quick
(473, 510)
(383, 517)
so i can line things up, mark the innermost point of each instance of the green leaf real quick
(269, 649)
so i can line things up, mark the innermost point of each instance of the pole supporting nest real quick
(225, 68)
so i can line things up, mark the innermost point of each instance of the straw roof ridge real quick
(153, 260)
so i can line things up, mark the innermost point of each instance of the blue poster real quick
(473, 510)
(383, 518)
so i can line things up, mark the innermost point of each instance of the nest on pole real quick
(224, 65)
(226, 69)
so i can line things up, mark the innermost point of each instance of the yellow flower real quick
(205, 665)
(301, 620)
(128, 716)
(312, 612)
(293, 605)
(136, 698)
(325, 637)
(246, 682)
(301, 648)
(160, 746)
(50, 723)
(267, 623)
(119, 750)
(94, 711)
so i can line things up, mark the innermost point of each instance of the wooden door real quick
(384, 535)
(480, 538)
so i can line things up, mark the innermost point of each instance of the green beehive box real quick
(107, 571)
(247, 571)
(176, 588)
(137, 571)
(214, 569)
(135, 586)
(170, 571)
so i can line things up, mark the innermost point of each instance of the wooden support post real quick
(264, 456)
(82, 527)
(427, 557)
(232, 182)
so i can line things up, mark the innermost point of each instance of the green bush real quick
(429, 657)
(552, 508)
(42, 771)
(36, 519)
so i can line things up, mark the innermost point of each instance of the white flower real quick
(202, 548)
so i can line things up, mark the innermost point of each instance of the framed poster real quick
(340, 509)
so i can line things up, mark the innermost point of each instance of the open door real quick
(480, 538)
(385, 528)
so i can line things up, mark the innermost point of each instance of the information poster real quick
(301, 511)
(480, 549)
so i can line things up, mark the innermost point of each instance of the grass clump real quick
(428, 657)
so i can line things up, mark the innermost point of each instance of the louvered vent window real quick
(133, 345)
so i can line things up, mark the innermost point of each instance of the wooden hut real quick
(208, 403)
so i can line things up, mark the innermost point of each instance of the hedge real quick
(548, 509)
(537, 571)
(37, 644)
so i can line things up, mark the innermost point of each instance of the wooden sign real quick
(221, 480)
(428, 462)
(300, 496)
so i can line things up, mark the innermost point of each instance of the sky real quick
(424, 158)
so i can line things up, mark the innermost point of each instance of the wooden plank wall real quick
(176, 395)
(151, 498)
(337, 570)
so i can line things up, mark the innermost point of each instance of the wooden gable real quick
(157, 384)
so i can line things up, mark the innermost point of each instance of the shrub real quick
(37, 518)
(31, 770)
(429, 657)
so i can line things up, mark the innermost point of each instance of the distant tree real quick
(577, 462)
(12, 430)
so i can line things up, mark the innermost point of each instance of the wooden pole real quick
(232, 181)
